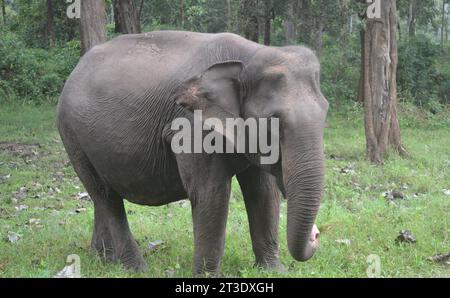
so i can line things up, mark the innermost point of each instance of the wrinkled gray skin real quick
(114, 118)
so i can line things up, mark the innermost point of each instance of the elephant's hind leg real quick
(111, 238)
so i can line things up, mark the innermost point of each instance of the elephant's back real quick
(120, 98)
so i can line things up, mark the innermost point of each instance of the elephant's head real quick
(278, 83)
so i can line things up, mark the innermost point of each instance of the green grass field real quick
(40, 181)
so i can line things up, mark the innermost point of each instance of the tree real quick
(417, 13)
(51, 35)
(126, 17)
(3, 11)
(269, 16)
(412, 18)
(380, 86)
(92, 24)
(290, 23)
(444, 28)
(249, 10)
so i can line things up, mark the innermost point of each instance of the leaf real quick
(152, 246)
(13, 237)
(441, 259)
(406, 237)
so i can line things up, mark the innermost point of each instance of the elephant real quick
(114, 117)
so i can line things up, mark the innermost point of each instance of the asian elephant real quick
(114, 117)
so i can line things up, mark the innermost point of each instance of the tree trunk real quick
(361, 78)
(92, 24)
(229, 16)
(3, 12)
(290, 23)
(380, 87)
(306, 26)
(318, 40)
(127, 17)
(183, 15)
(116, 12)
(251, 23)
(444, 23)
(141, 7)
(267, 31)
(50, 24)
(412, 18)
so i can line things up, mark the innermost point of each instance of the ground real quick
(43, 218)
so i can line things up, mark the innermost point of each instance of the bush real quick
(34, 74)
(340, 69)
(422, 75)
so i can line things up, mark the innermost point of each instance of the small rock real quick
(344, 241)
(4, 178)
(335, 157)
(53, 190)
(13, 237)
(446, 192)
(80, 210)
(405, 237)
(37, 186)
(170, 272)
(398, 195)
(347, 170)
(184, 203)
(394, 195)
(152, 246)
(21, 194)
(83, 196)
(21, 208)
(34, 223)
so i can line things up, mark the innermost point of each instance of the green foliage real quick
(29, 20)
(329, 27)
(33, 73)
(340, 70)
(421, 78)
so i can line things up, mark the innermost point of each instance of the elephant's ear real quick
(216, 92)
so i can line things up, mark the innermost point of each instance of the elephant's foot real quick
(272, 266)
(125, 253)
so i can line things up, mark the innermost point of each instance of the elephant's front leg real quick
(210, 212)
(207, 182)
(262, 201)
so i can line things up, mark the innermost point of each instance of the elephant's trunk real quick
(303, 176)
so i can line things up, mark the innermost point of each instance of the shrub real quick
(420, 74)
(34, 74)
(340, 69)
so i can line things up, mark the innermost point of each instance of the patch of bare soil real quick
(20, 149)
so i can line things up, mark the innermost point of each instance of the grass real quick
(354, 208)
